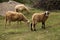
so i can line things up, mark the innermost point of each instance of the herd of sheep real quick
(17, 15)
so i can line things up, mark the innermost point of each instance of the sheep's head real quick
(28, 22)
(47, 13)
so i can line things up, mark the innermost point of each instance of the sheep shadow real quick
(46, 28)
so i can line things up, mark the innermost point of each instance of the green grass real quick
(23, 32)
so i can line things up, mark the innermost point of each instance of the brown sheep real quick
(37, 17)
(21, 8)
(15, 16)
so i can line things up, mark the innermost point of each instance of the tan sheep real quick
(21, 8)
(15, 16)
(37, 17)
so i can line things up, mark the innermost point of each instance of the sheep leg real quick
(31, 27)
(5, 23)
(18, 23)
(43, 25)
(34, 27)
(9, 22)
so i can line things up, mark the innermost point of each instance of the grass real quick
(23, 32)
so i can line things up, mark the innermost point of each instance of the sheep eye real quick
(46, 13)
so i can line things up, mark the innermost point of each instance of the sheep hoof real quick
(43, 27)
(34, 29)
(31, 29)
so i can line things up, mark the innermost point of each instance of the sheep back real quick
(13, 16)
(21, 7)
(37, 17)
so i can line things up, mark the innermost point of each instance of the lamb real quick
(21, 8)
(37, 17)
(15, 16)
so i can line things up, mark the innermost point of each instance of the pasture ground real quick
(23, 32)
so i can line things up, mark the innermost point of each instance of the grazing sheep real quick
(21, 8)
(15, 16)
(37, 17)
(10, 1)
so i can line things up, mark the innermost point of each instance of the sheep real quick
(21, 8)
(37, 17)
(15, 16)
(10, 1)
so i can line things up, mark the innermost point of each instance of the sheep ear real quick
(17, 10)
